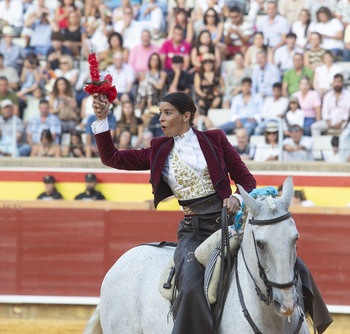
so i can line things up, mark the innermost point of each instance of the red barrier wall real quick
(66, 252)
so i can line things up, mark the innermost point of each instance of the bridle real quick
(268, 284)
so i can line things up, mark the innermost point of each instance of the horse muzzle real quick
(284, 301)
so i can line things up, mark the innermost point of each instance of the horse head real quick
(270, 237)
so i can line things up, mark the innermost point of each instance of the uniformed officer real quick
(50, 190)
(90, 193)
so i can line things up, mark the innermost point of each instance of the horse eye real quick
(260, 244)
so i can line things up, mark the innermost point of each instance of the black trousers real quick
(190, 309)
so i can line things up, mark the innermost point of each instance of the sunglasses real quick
(208, 61)
(212, 15)
(63, 63)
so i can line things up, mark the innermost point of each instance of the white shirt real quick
(295, 118)
(12, 15)
(299, 30)
(264, 151)
(330, 28)
(273, 109)
(122, 77)
(284, 58)
(326, 77)
(187, 147)
(131, 35)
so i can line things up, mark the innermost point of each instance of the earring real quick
(185, 121)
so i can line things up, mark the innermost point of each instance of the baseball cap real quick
(90, 177)
(49, 179)
(271, 127)
(293, 99)
(6, 103)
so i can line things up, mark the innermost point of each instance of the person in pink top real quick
(310, 103)
(176, 46)
(139, 55)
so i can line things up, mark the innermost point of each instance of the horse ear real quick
(249, 201)
(287, 191)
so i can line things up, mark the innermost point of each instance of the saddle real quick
(207, 254)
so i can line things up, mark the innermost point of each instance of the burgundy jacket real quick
(222, 159)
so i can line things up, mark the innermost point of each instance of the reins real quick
(268, 284)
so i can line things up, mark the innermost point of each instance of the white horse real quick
(131, 304)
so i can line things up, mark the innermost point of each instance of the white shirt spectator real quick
(245, 29)
(325, 76)
(300, 155)
(264, 151)
(13, 15)
(274, 109)
(314, 5)
(336, 110)
(284, 59)
(272, 31)
(121, 78)
(131, 35)
(299, 30)
(203, 5)
(295, 118)
(330, 28)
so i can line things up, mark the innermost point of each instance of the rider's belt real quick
(202, 206)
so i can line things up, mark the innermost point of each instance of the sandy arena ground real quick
(341, 325)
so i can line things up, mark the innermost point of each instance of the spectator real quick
(233, 78)
(293, 116)
(155, 127)
(6, 146)
(309, 102)
(72, 34)
(76, 148)
(57, 50)
(130, 122)
(250, 58)
(46, 147)
(335, 108)
(256, 6)
(151, 14)
(11, 12)
(245, 109)
(344, 144)
(332, 155)
(243, 147)
(331, 30)
(269, 150)
(180, 4)
(50, 192)
(203, 45)
(313, 56)
(213, 24)
(208, 85)
(176, 46)
(342, 12)
(6, 127)
(147, 136)
(63, 10)
(302, 28)
(283, 57)
(91, 148)
(118, 13)
(129, 28)
(202, 122)
(346, 51)
(314, 5)
(6, 93)
(292, 77)
(42, 26)
(204, 5)
(31, 108)
(90, 193)
(45, 121)
(298, 147)
(238, 31)
(94, 37)
(86, 111)
(178, 80)
(182, 19)
(140, 55)
(13, 53)
(66, 70)
(274, 108)
(115, 41)
(124, 140)
(274, 27)
(63, 104)
(299, 199)
(9, 73)
(31, 75)
(123, 77)
(264, 75)
(151, 87)
(291, 9)
(325, 73)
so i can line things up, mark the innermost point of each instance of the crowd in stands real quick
(281, 68)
